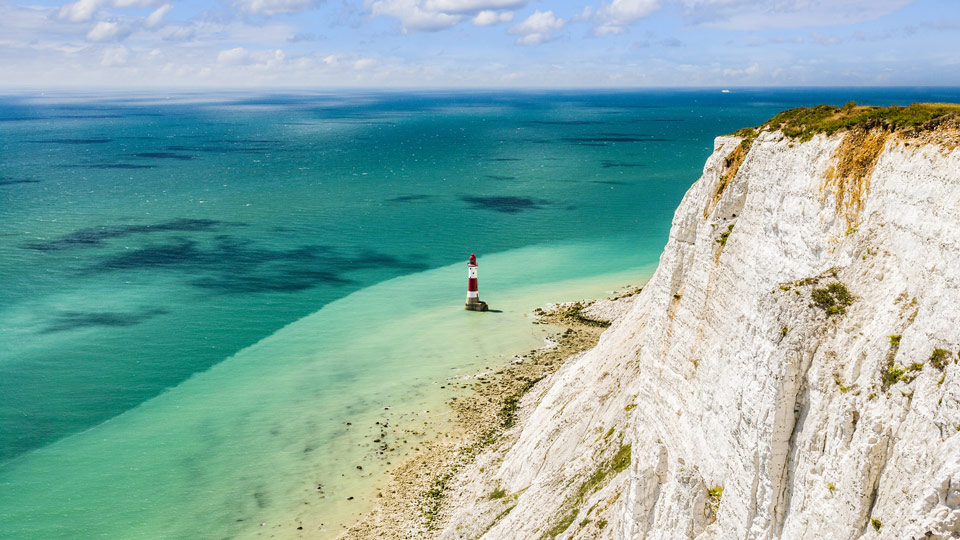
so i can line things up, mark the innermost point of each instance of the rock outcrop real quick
(790, 371)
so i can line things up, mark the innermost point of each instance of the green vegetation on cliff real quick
(805, 122)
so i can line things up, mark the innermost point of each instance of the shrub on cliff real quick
(833, 299)
(939, 357)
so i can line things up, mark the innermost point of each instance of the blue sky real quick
(479, 43)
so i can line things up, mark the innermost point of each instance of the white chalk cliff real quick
(725, 373)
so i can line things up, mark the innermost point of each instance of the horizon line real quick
(399, 89)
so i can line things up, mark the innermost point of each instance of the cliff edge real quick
(790, 371)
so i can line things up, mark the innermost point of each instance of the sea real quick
(213, 302)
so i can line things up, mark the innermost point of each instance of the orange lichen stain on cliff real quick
(731, 164)
(849, 177)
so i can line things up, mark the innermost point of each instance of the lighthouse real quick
(473, 295)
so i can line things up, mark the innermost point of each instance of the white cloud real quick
(233, 57)
(133, 3)
(471, 6)
(80, 11)
(826, 40)
(765, 14)
(612, 18)
(218, 35)
(740, 73)
(262, 61)
(364, 64)
(107, 31)
(538, 22)
(623, 12)
(115, 56)
(413, 16)
(608, 30)
(178, 33)
(84, 10)
(275, 7)
(537, 28)
(155, 18)
(433, 15)
(488, 17)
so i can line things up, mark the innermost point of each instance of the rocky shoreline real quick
(411, 504)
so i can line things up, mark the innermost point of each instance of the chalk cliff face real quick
(818, 414)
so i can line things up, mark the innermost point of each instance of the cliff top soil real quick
(805, 122)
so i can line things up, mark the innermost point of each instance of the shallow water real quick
(198, 291)
(250, 439)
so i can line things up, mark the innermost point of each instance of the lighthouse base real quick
(475, 304)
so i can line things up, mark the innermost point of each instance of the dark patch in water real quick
(219, 149)
(7, 181)
(499, 177)
(359, 122)
(505, 204)
(631, 135)
(162, 155)
(246, 141)
(19, 118)
(183, 252)
(234, 266)
(409, 198)
(601, 140)
(283, 281)
(72, 141)
(261, 499)
(119, 166)
(96, 235)
(73, 320)
(85, 116)
(609, 164)
(565, 122)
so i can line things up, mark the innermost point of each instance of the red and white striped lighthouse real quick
(473, 294)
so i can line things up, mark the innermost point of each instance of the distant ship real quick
(724, 91)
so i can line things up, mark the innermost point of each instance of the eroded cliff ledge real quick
(790, 371)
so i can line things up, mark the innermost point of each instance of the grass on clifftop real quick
(805, 122)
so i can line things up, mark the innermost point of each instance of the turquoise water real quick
(198, 291)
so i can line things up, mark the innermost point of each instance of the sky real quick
(385, 44)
